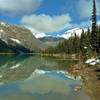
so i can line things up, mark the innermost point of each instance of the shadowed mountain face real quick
(12, 47)
(18, 39)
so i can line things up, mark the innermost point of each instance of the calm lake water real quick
(38, 78)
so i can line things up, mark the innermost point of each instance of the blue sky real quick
(48, 17)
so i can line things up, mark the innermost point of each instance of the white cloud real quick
(19, 6)
(46, 23)
(84, 7)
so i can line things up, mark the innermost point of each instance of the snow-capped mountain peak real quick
(72, 32)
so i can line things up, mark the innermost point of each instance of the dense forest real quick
(76, 44)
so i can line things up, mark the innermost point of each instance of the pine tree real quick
(82, 42)
(76, 44)
(94, 35)
(88, 35)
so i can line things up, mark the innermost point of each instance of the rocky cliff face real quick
(18, 39)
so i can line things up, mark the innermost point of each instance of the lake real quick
(39, 78)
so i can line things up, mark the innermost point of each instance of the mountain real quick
(51, 41)
(72, 32)
(18, 39)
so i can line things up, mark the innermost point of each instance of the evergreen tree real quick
(88, 35)
(75, 44)
(82, 42)
(94, 35)
(99, 37)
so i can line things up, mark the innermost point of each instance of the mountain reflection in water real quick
(38, 78)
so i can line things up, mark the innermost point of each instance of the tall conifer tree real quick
(94, 35)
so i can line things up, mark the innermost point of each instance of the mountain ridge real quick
(51, 40)
(19, 38)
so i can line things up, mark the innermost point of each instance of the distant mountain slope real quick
(19, 38)
(51, 41)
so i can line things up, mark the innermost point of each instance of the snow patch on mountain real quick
(15, 40)
(16, 66)
(1, 30)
